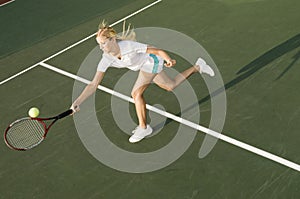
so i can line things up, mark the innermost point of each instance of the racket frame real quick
(41, 120)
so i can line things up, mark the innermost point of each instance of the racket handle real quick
(65, 114)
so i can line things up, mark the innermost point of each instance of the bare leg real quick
(161, 79)
(140, 106)
(165, 82)
(142, 82)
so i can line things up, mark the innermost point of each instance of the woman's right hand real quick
(75, 108)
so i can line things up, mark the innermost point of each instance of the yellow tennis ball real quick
(33, 112)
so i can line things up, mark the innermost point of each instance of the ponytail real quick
(109, 32)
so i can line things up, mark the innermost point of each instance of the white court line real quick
(77, 43)
(7, 3)
(223, 137)
(19, 73)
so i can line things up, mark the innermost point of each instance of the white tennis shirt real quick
(133, 57)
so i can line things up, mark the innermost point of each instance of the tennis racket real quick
(26, 133)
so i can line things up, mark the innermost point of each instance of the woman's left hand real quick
(170, 63)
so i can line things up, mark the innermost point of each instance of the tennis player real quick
(124, 52)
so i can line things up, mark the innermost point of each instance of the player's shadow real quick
(296, 57)
(260, 63)
(253, 67)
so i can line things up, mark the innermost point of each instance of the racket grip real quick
(65, 114)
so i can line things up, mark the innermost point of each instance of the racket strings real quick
(25, 133)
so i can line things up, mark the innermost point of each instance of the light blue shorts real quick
(153, 65)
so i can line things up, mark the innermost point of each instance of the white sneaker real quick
(205, 68)
(140, 133)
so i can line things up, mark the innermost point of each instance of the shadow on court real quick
(252, 68)
(296, 58)
(260, 63)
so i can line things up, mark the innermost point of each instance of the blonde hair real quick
(127, 33)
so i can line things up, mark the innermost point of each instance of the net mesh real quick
(25, 133)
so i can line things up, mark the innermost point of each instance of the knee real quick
(136, 94)
(170, 88)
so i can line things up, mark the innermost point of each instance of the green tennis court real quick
(255, 48)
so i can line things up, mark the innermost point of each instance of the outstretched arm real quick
(88, 91)
(156, 51)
